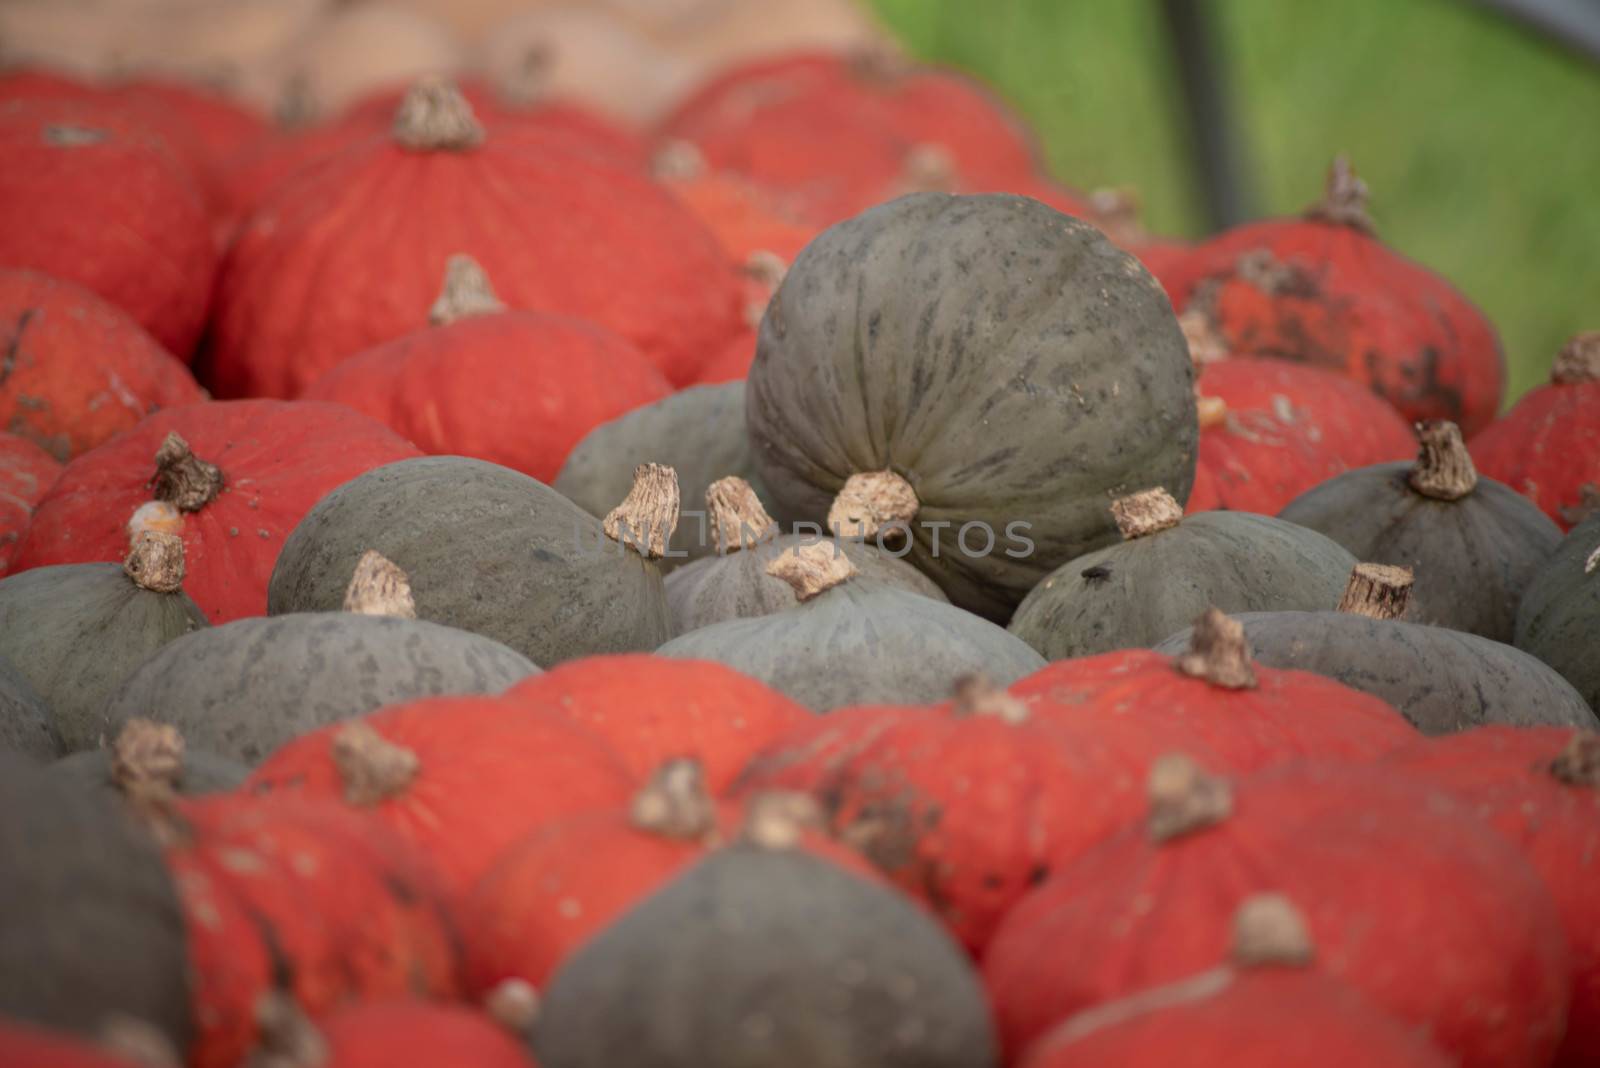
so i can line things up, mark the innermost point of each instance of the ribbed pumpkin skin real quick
(419, 1034)
(1351, 304)
(611, 247)
(1502, 774)
(78, 630)
(1289, 427)
(1472, 557)
(26, 727)
(284, 893)
(518, 388)
(1428, 914)
(1261, 1018)
(21, 1044)
(1560, 609)
(26, 472)
(1547, 448)
(80, 369)
(651, 709)
(143, 242)
(1134, 594)
(277, 460)
(490, 772)
(1288, 715)
(1441, 680)
(1005, 360)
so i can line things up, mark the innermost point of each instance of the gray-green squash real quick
(981, 372)
(764, 955)
(698, 432)
(492, 551)
(1473, 543)
(25, 725)
(76, 631)
(145, 751)
(734, 584)
(1170, 568)
(842, 644)
(91, 931)
(1442, 680)
(1559, 619)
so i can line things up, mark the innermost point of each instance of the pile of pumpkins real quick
(747, 569)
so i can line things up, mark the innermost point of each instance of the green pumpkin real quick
(698, 432)
(25, 725)
(1559, 620)
(1170, 568)
(1474, 543)
(145, 751)
(982, 370)
(492, 551)
(76, 631)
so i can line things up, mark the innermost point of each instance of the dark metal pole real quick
(1227, 194)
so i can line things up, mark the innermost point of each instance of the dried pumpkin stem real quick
(466, 292)
(928, 168)
(1205, 342)
(1268, 929)
(435, 117)
(880, 64)
(146, 755)
(678, 161)
(514, 1005)
(288, 1038)
(183, 479)
(1147, 512)
(139, 1043)
(155, 561)
(779, 819)
(1218, 652)
(767, 269)
(977, 695)
(1377, 591)
(1579, 762)
(645, 520)
(1444, 469)
(1344, 201)
(675, 802)
(1184, 798)
(1116, 212)
(372, 768)
(812, 570)
(1593, 562)
(1210, 411)
(1578, 361)
(738, 521)
(871, 502)
(379, 588)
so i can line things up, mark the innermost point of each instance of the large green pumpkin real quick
(977, 362)
(1559, 620)
(25, 724)
(1168, 569)
(487, 549)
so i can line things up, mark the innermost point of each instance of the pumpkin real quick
(37, 1047)
(1441, 680)
(566, 584)
(847, 643)
(1556, 620)
(1540, 787)
(806, 962)
(232, 478)
(1474, 543)
(651, 710)
(1547, 447)
(79, 369)
(1246, 715)
(1264, 1008)
(1057, 353)
(1428, 914)
(146, 751)
(731, 362)
(355, 49)
(1117, 211)
(219, 127)
(613, 247)
(715, 34)
(143, 242)
(26, 472)
(746, 218)
(462, 778)
(77, 631)
(90, 928)
(516, 388)
(698, 432)
(1168, 569)
(735, 584)
(26, 726)
(285, 893)
(380, 1033)
(1323, 290)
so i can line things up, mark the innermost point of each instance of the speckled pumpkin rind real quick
(1473, 557)
(1560, 613)
(1131, 595)
(1007, 361)
(737, 586)
(77, 631)
(487, 549)
(243, 689)
(862, 646)
(1441, 680)
(698, 432)
(25, 724)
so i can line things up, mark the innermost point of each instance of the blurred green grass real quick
(1480, 142)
